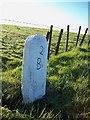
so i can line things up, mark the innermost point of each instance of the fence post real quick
(67, 38)
(78, 35)
(83, 37)
(50, 40)
(58, 43)
(88, 39)
(47, 36)
(88, 43)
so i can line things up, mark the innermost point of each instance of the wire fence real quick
(31, 24)
(27, 24)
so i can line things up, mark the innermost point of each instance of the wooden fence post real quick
(88, 43)
(88, 38)
(83, 37)
(58, 43)
(50, 40)
(47, 36)
(78, 35)
(67, 38)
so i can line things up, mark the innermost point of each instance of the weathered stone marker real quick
(34, 68)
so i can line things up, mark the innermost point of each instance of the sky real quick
(56, 13)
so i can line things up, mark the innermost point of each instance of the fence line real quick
(29, 23)
(49, 36)
(35, 25)
(67, 38)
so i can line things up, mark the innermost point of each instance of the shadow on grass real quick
(11, 94)
(59, 94)
(54, 100)
(83, 50)
(57, 99)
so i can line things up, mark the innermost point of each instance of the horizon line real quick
(34, 25)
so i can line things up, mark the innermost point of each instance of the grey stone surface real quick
(34, 68)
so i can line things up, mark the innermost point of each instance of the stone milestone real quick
(34, 68)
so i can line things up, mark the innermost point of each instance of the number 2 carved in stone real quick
(42, 48)
(39, 59)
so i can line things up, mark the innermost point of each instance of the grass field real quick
(68, 85)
